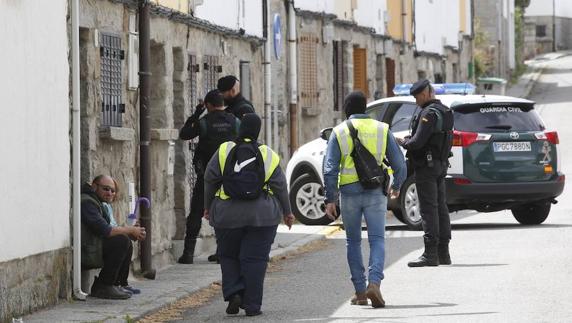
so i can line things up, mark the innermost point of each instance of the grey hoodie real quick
(266, 210)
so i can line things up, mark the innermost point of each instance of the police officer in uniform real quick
(229, 87)
(428, 151)
(216, 127)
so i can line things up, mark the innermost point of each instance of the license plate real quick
(512, 146)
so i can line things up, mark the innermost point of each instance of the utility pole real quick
(144, 136)
(553, 25)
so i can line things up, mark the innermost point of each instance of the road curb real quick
(532, 80)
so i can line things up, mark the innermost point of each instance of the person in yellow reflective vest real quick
(245, 228)
(358, 202)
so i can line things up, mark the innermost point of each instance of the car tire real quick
(307, 201)
(409, 212)
(532, 213)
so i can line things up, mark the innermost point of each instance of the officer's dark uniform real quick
(428, 151)
(239, 106)
(213, 129)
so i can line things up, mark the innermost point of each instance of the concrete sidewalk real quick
(171, 284)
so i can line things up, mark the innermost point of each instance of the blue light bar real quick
(444, 88)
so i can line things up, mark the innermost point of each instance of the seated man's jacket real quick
(94, 228)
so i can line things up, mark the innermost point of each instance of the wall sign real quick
(277, 31)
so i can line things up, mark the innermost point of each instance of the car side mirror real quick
(325, 133)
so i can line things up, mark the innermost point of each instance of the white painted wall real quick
(370, 13)
(544, 8)
(468, 15)
(233, 14)
(34, 136)
(327, 6)
(436, 24)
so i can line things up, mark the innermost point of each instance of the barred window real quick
(308, 44)
(112, 106)
(211, 72)
(339, 75)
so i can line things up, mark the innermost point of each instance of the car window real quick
(402, 117)
(497, 118)
(377, 111)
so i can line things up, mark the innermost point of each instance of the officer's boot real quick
(443, 251)
(428, 258)
(188, 252)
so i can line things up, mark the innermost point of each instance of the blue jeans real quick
(372, 204)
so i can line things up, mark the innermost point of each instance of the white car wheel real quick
(307, 200)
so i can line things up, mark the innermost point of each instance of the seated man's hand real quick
(138, 233)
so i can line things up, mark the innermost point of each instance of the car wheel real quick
(532, 213)
(307, 200)
(409, 212)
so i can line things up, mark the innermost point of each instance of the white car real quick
(503, 158)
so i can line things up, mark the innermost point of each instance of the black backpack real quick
(243, 174)
(371, 174)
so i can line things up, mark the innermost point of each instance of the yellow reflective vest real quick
(270, 158)
(372, 134)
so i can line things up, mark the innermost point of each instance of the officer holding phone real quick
(216, 127)
(428, 151)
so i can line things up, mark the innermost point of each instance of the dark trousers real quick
(430, 182)
(244, 255)
(117, 251)
(194, 220)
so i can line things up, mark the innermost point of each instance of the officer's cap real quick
(419, 86)
(226, 83)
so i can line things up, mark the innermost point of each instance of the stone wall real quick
(175, 89)
(34, 282)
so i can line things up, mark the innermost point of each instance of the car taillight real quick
(462, 181)
(464, 139)
(550, 136)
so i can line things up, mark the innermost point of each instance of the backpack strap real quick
(353, 131)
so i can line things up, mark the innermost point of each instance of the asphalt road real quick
(502, 271)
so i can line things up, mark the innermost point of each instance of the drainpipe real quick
(76, 148)
(144, 137)
(404, 21)
(293, 77)
(267, 75)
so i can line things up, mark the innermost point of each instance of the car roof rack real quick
(440, 88)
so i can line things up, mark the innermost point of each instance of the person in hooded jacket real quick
(245, 229)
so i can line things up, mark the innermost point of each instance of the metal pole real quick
(76, 155)
(267, 75)
(144, 137)
(293, 77)
(553, 25)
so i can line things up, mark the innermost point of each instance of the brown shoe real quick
(359, 299)
(374, 294)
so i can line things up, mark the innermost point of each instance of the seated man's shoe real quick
(131, 289)
(213, 258)
(109, 292)
(234, 304)
(185, 259)
(359, 299)
(443, 251)
(374, 294)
